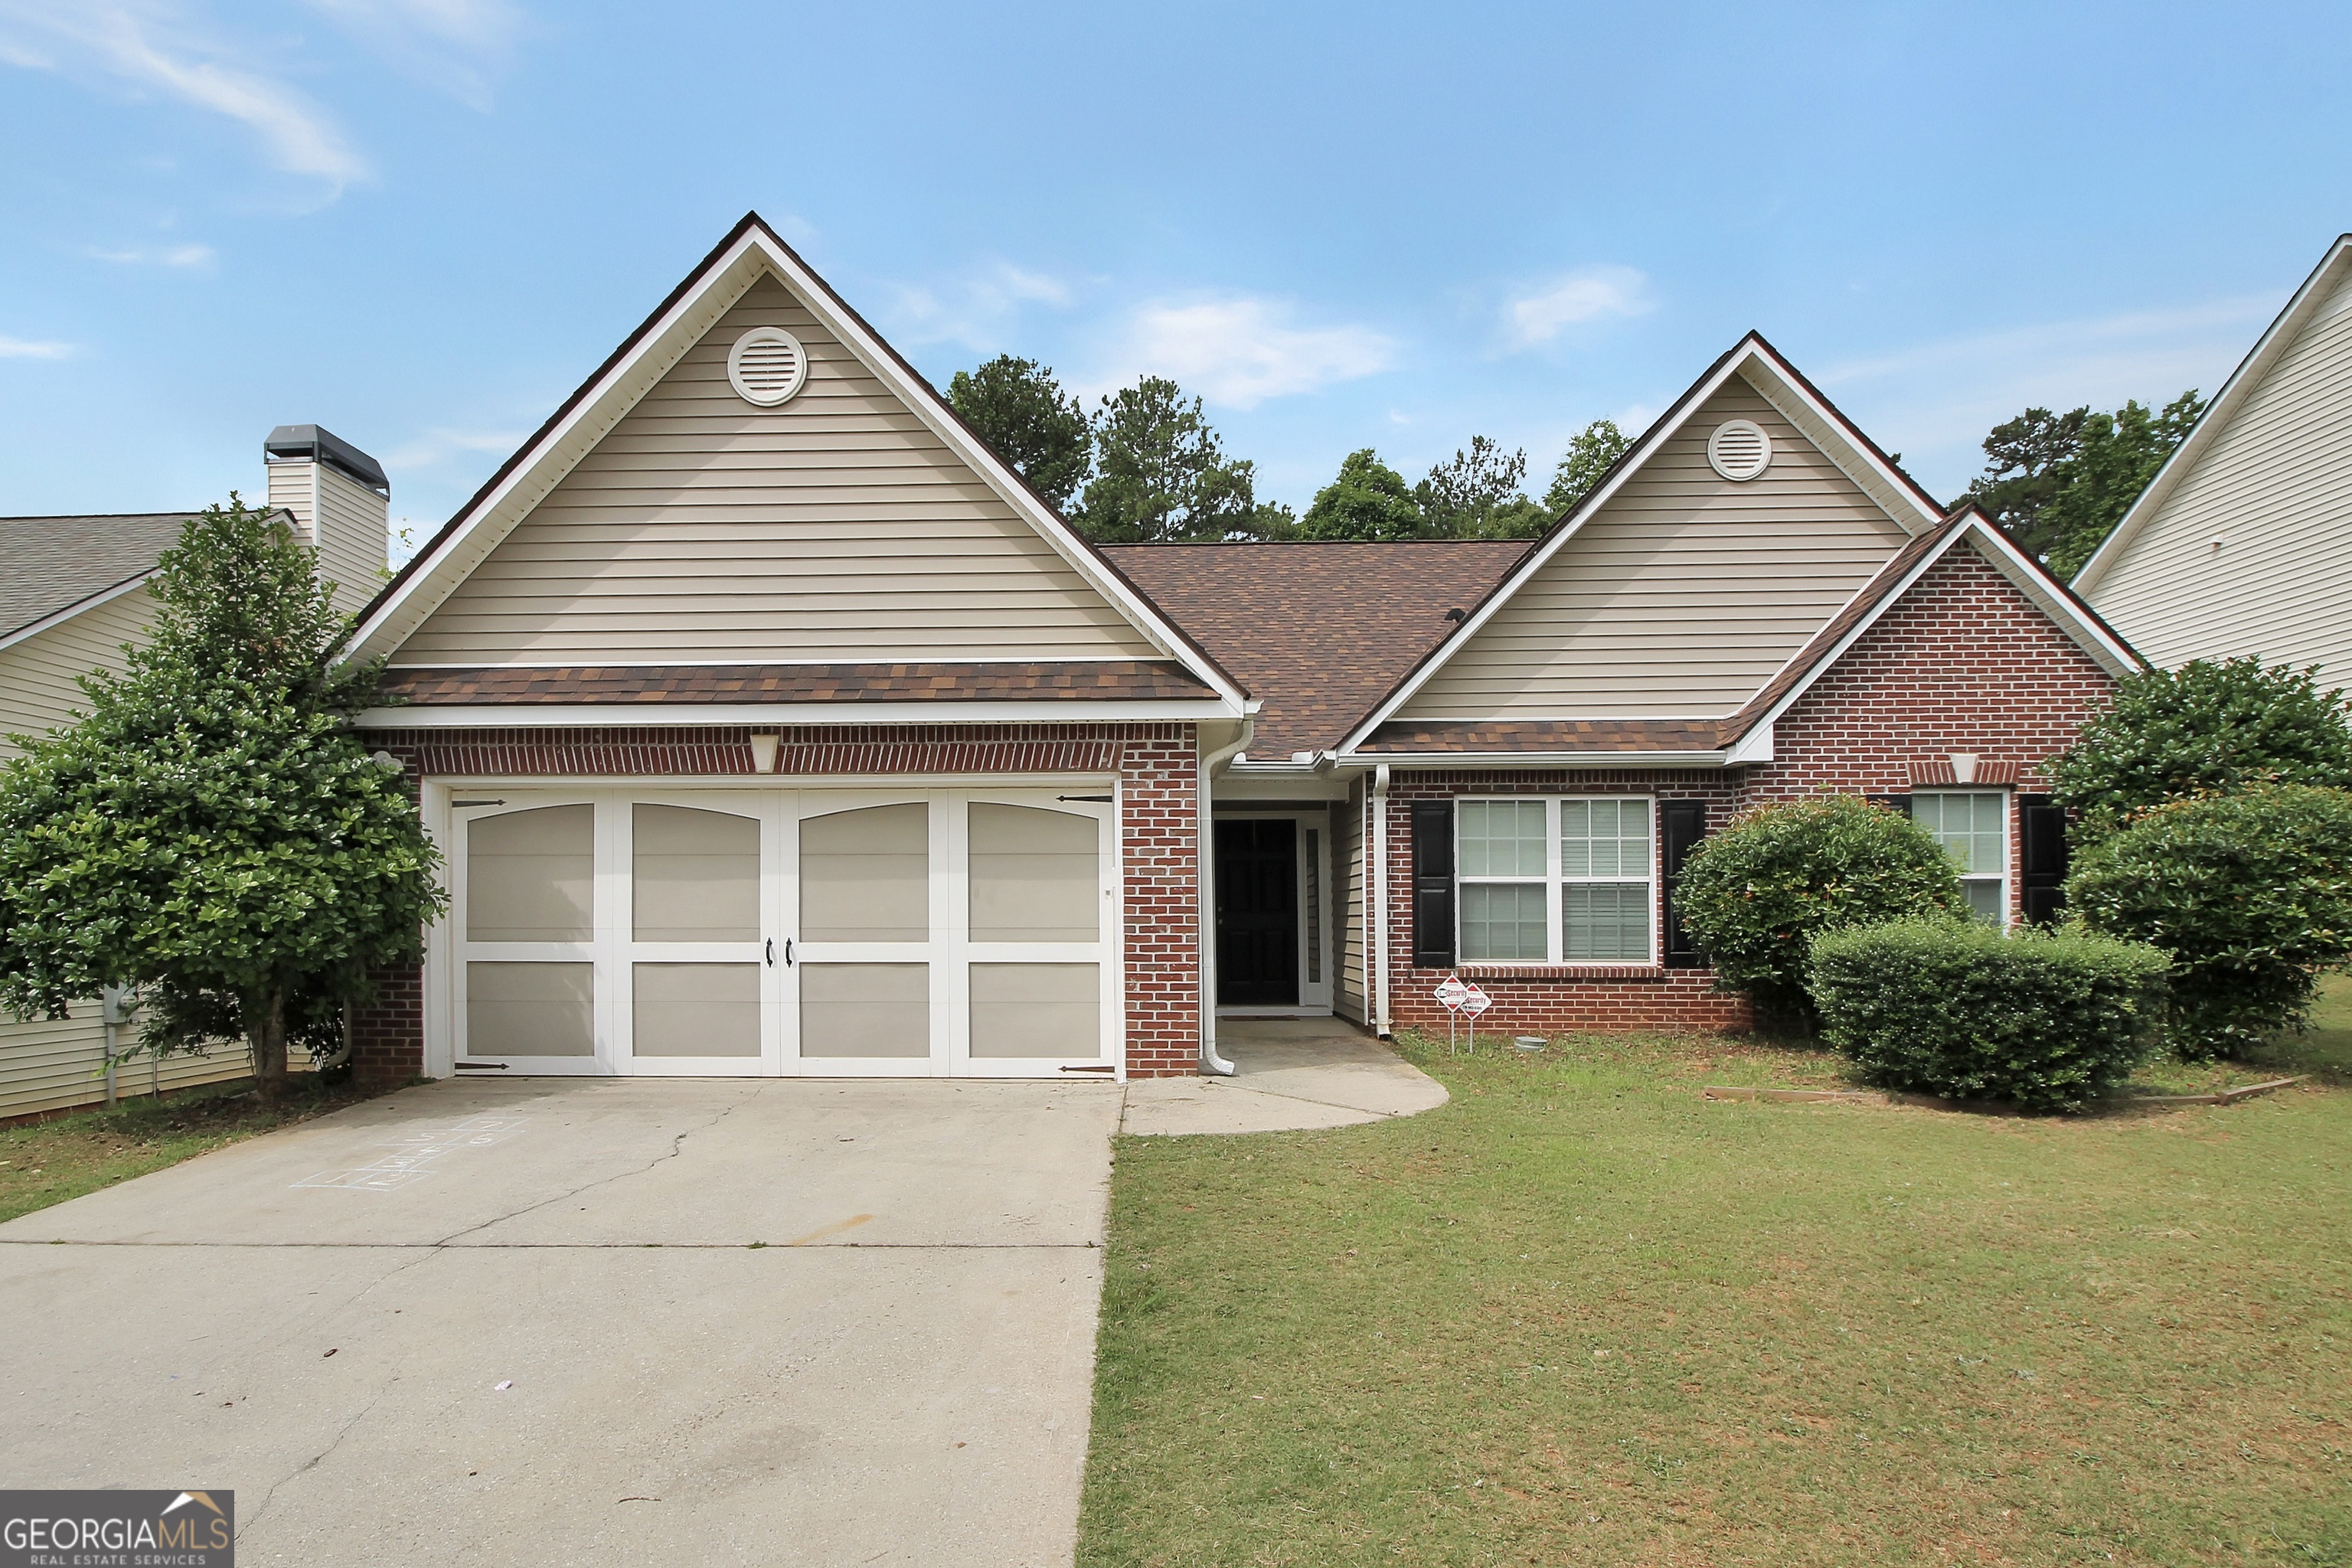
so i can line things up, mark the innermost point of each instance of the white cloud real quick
(440, 444)
(1588, 295)
(977, 309)
(1934, 401)
(1238, 352)
(452, 44)
(150, 47)
(191, 255)
(18, 348)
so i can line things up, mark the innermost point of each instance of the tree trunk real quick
(265, 1033)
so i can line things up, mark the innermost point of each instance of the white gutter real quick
(1357, 762)
(1205, 849)
(1381, 900)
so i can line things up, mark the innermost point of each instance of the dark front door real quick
(1258, 913)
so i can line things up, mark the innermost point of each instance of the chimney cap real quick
(320, 445)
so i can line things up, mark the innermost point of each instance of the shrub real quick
(2047, 1021)
(1756, 894)
(2249, 893)
(2203, 729)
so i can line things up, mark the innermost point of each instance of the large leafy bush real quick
(2249, 893)
(2049, 1022)
(2203, 729)
(1755, 895)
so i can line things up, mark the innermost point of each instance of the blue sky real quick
(422, 222)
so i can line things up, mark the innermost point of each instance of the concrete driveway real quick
(597, 1321)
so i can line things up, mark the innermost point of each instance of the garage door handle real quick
(772, 952)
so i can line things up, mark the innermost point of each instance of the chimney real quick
(342, 505)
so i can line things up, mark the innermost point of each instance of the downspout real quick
(1205, 849)
(1381, 900)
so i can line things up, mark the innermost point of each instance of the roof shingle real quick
(52, 563)
(1112, 680)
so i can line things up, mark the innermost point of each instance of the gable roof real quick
(51, 565)
(1758, 364)
(2325, 278)
(1317, 628)
(751, 250)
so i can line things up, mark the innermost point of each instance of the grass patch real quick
(1581, 1315)
(46, 1163)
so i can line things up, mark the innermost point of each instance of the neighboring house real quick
(73, 594)
(771, 725)
(2242, 542)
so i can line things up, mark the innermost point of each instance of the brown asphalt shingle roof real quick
(1107, 682)
(1480, 735)
(1318, 631)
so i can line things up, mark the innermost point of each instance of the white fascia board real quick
(1824, 426)
(1755, 746)
(2284, 330)
(727, 279)
(1365, 762)
(709, 715)
(58, 617)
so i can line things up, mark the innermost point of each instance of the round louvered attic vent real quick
(1739, 450)
(767, 365)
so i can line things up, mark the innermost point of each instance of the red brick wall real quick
(1156, 763)
(1963, 663)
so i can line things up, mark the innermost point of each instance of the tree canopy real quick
(1161, 474)
(1588, 455)
(212, 832)
(1476, 495)
(2057, 483)
(1020, 411)
(1368, 501)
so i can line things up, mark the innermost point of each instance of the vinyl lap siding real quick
(2275, 486)
(56, 1065)
(836, 528)
(353, 543)
(1348, 828)
(1684, 594)
(37, 676)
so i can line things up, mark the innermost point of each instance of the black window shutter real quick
(2041, 830)
(1433, 884)
(1681, 825)
(1901, 803)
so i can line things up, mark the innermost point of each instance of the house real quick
(73, 595)
(2242, 542)
(771, 725)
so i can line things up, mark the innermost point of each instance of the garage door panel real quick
(865, 1010)
(531, 875)
(1037, 1010)
(531, 1009)
(866, 874)
(696, 1009)
(1036, 874)
(694, 874)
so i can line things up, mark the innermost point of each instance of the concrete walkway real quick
(1292, 1073)
(590, 1322)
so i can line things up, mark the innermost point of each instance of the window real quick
(1567, 880)
(1974, 830)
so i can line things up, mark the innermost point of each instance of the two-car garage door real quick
(948, 932)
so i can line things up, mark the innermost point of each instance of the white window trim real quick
(2008, 848)
(1552, 881)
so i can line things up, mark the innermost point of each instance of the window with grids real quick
(1569, 880)
(1973, 830)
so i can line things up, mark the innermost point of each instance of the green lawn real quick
(46, 1163)
(1582, 1315)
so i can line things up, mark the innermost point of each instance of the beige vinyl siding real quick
(836, 527)
(352, 544)
(58, 1065)
(1348, 838)
(2274, 486)
(37, 676)
(1683, 594)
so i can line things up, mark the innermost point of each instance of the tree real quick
(1160, 474)
(2204, 729)
(212, 832)
(2056, 483)
(2250, 895)
(1595, 450)
(1017, 407)
(1368, 501)
(1756, 894)
(1476, 495)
